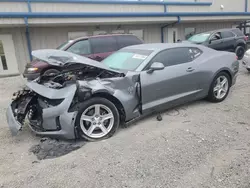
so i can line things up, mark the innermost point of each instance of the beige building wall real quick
(78, 7)
(51, 37)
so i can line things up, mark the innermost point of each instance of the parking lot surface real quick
(195, 145)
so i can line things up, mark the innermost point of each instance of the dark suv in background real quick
(232, 40)
(94, 47)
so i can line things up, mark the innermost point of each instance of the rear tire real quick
(219, 88)
(240, 51)
(97, 119)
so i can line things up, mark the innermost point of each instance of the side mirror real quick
(213, 39)
(156, 66)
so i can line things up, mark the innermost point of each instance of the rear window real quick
(238, 32)
(103, 44)
(227, 34)
(127, 40)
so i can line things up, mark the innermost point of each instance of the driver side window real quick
(174, 56)
(81, 48)
(216, 36)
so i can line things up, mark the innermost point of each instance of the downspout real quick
(164, 26)
(246, 5)
(27, 32)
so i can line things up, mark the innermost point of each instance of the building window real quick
(189, 32)
(2, 57)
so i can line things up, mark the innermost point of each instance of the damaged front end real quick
(18, 109)
(50, 103)
(45, 109)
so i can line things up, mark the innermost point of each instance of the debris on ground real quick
(51, 148)
(159, 117)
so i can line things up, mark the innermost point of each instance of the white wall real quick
(77, 7)
(229, 6)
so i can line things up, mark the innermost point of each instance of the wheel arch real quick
(227, 71)
(48, 68)
(240, 43)
(115, 101)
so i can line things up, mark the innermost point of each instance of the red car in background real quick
(95, 47)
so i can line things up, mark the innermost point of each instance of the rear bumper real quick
(246, 61)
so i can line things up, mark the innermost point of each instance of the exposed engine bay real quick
(74, 73)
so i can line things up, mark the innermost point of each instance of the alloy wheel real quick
(97, 121)
(221, 87)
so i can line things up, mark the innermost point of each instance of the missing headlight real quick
(47, 103)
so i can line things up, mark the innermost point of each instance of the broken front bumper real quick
(14, 125)
(53, 120)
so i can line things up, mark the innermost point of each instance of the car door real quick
(102, 47)
(177, 83)
(216, 42)
(81, 47)
(229, 40)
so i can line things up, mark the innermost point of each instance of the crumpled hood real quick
(63, 58)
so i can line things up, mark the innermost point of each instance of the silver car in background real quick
(246, 60)
(91, 99)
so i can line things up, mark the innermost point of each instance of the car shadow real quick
(174, 111)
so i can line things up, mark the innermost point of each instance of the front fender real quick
(124, 89)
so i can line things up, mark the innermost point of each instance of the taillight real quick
(246, 38)
(236, 57)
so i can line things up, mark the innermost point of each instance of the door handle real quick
(190, 69)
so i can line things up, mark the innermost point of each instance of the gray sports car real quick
(91, 99)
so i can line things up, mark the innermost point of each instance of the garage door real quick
(8, 62)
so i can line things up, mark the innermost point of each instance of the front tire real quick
(97, 119)
(219, 88)
(50, 72)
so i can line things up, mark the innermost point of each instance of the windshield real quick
(62, 45)
(199, 37)
(126, 59)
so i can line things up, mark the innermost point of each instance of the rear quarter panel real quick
(212, 62)
(240, 41)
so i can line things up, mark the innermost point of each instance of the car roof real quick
(219, 30)
(161, 46)
(95, 36)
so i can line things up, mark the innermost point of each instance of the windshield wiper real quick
(114, 68)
